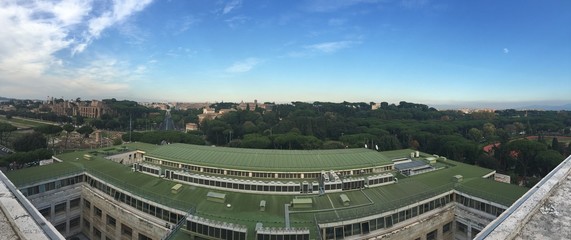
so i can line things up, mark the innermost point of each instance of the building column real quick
(469, 230)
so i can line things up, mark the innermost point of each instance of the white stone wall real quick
(54, 197)
(139, 222)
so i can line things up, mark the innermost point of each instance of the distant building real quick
(191, 127)
(251, 106)
(90, 109)
(186, 106)
(375, 106)
(93, 109)
(223, 111)
(210, 113)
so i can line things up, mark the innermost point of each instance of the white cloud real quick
(506, 51)
(243, 65)
(231, 5)
(234, 22)
(330, 47)
(34, 32)
(120, 10)
(187, 22)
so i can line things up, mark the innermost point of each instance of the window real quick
(126, 231)
(96, 233)
(86, 204)
(111, 221)
(74, 203)
(86, 224)
(446, 227)
(143, 237)
(74, 223)
(46, 212)
(61, 228)
(475, 232)
(347, 230)
(60, 208)
(389, 221)
(432, 235)
(461, 227)
(97, 211)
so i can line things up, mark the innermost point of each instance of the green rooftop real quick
(270, 160)
(244, 208)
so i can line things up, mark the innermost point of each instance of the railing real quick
(485, 195)
(172, 233)
(35, 179)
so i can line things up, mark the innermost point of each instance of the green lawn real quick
(23, 123)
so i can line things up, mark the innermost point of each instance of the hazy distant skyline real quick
(461, 53)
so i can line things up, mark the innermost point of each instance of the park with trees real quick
(523, 144)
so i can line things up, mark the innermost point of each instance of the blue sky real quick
(472, 53)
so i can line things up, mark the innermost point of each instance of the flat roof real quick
(270, 160)
(409, 165)
(408, 190)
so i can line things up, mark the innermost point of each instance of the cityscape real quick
(267, 120)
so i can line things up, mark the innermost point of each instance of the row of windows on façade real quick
(266, 174)
(268, 186)
(201, 228)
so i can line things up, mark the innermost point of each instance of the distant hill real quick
(566, 107)
(501, 106)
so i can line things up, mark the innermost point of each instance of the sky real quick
(467, 53)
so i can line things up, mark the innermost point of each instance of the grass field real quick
(22, 123)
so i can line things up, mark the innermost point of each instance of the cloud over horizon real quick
(330, 47)
(35, 35)
(244, 65)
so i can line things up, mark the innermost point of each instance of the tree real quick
(519, 127)
(489, 130)
(555, 145)
(545, 161)
(29, 142)
(214, 130)
(79, 120)
(84, 131)
(255, 141)
(6, 130)
(388, 142)
(117, 141)
(68, 128)
(487, 161)
(51, 131)
(525, 153)
(475, 134)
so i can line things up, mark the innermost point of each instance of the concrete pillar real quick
(469, 230)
